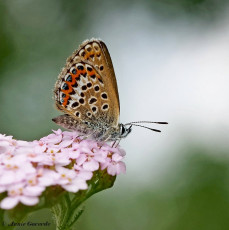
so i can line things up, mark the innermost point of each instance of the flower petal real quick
(9, 202)
(116, 157)
(33, 190)
(27, 200)
(91, 165)
(71, 187)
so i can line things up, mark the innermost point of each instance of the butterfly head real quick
(124, 130)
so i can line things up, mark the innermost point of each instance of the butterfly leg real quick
(107, 138)
(83, 137)
(79, 138)
(117, 142)
(113, 144)
(86, 136)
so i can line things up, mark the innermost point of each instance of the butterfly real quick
(86, 92)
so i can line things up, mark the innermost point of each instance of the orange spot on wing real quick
(66, 100)
(89, 54)
(83, 71)
(77, 74)
(91, 73)
(73, 79)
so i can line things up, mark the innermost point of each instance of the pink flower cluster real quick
(27, 168)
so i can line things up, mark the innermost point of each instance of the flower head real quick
(59, 159)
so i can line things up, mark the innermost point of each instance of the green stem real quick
(69, 211)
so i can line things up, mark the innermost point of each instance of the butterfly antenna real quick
(155, 130)
(155, 122)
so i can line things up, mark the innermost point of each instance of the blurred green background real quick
(172, 64)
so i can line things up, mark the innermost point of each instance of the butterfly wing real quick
(96, 52)
(86, 88)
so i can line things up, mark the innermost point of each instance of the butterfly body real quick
(99, 131)
(87, 93)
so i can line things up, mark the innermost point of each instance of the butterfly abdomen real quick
(71, 123)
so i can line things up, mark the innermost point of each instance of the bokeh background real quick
(171, 60)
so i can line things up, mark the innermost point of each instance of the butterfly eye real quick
(123, 130)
